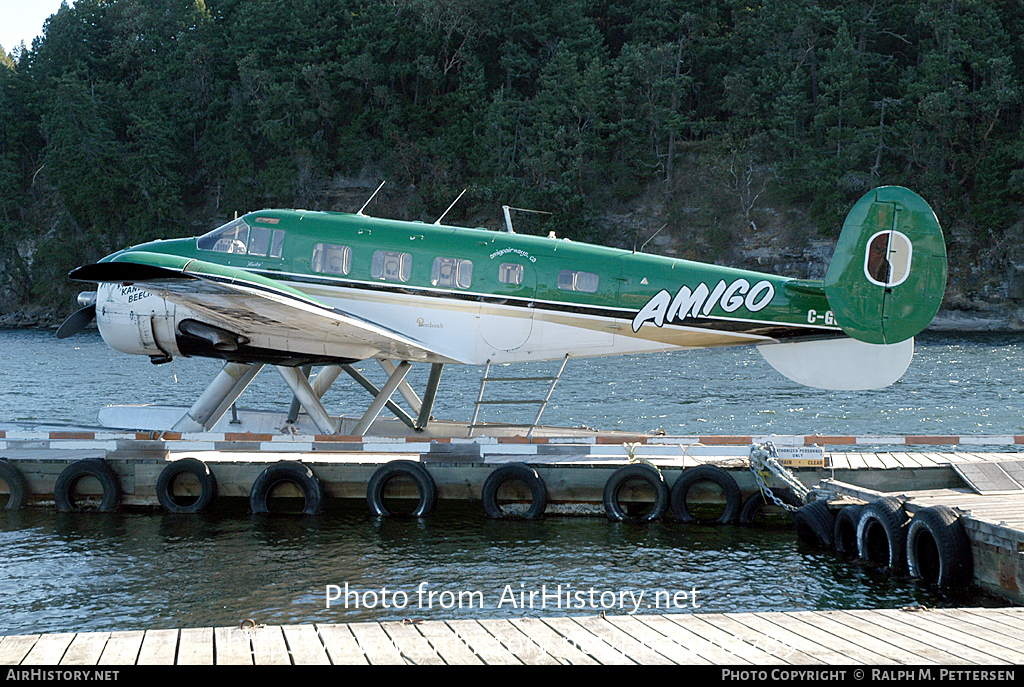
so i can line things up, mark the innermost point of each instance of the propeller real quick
(77, 322)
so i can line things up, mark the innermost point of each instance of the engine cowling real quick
(136, 322)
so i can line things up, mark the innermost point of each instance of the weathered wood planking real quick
(976, 636)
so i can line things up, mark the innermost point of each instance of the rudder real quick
(888, 274)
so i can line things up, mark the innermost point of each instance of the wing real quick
(268, 313)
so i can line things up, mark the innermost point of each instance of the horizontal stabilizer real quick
(840, 364)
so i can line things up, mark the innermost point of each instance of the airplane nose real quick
(87, 298)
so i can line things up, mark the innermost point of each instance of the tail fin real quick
(888, 274)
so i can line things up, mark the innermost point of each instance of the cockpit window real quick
(233, 237)
(239, 238)
(259, 240)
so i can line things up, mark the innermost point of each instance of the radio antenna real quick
(450, 207)
(508, 215)
(650, 239)
(374, 195)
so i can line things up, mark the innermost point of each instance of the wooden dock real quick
(985, 485)
(913, 636)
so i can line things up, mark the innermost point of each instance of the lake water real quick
(80, 572)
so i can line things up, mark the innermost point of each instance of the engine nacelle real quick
(136, 322)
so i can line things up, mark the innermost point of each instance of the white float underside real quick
(840, 364)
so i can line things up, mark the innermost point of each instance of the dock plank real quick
(376, 645)
(525, 647)
(15, 648)
(590, 643)
(269, 647)
(622, 641)
(656, 642)
(708, 650)
(552, 642)
(979, 636)
(48, 649)
(232, 646)
(786, 644)
(122, 648)
(411, 644)
(493, 648)
(976, 644)
(305, 646)
(448, 645)
(195, 646)
(844, 632)
(716, 628)
(159, 648)
(85, 649)
(805, 634)
(341, 645)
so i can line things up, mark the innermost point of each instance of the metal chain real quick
(763, 460)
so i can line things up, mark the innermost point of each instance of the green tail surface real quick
(888, 274)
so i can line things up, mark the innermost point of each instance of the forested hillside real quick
(725, 123)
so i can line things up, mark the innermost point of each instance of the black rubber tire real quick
(938, 549)
(287, 471)
(523, 473)
(844, 532)
(756, 501)
(90, 467)
(191, 466)
(882, 534)
(401, 468)
(814, 524)
(706, 473)
(15, 483)
(615, 510)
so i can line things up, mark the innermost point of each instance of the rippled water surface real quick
(79, 572)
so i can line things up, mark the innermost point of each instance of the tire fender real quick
(938, 549)
(401, 468)
(90, 467)
(705, 473)
(882, 534)
(814, 524)
(287, 471)
(191, 466)
(523, 473)
(614, 509)
(16, 484)
(844, 533)
(756, 501)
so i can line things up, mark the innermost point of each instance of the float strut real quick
(372, 388)
(299, 385)
(293, 411)
(324, 379)
(225, 389)
(429, 395)
(383, 397)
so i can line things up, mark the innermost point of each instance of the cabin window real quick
(331, 259)
(391, 266)
(570, 280)
(277, 243)
(233, 237)
(452, 272)
(510, 273)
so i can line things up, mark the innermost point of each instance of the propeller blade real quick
(77, 322)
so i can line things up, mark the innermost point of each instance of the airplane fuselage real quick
(466, 295)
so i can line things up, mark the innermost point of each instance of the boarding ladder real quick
(542, 402)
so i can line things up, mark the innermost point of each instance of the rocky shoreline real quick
(989, 320)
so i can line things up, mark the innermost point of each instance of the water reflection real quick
(123, 571)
